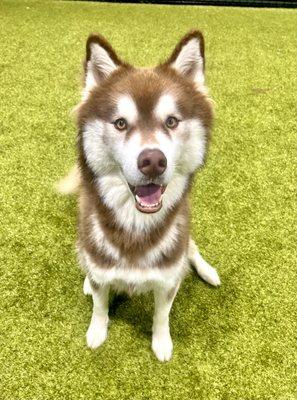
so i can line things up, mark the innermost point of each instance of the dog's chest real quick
(145, 251)
(164, 263)
(134, 279)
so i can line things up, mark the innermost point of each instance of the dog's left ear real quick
(188, 57)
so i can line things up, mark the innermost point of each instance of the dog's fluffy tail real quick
(70, 183)
(207, 272)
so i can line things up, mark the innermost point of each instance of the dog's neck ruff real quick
(107, 202)
(118, 241)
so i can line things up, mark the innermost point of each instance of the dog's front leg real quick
(97, 331)
(161, 340)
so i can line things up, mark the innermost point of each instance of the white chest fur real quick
(135, 280)
(143, 275)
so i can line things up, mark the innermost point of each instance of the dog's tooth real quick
(147, 205)
(137, 199)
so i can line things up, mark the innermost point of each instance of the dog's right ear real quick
(101, 61)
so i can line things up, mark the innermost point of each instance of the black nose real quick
(152, 162)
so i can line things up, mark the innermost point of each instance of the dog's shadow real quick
(136, 311)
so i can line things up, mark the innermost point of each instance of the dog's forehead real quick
(145, 94)
(146, 97)
(131, 109)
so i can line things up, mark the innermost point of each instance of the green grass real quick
(233, 343)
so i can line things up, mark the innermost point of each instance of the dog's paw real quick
(162, 347)
(209, 274)
(87, 286)
(96, 334)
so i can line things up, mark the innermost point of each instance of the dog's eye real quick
(121, 124)
(171, 122)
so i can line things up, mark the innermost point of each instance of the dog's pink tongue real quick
(149, 194)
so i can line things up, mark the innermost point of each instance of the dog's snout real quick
(152, 162)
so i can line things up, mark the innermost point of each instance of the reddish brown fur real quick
(145, 87)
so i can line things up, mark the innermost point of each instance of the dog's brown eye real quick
(121, 124)
(171, 122)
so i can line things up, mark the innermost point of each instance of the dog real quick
(142, 135)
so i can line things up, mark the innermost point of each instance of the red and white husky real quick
(142, 135)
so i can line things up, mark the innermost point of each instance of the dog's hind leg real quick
(206, 271)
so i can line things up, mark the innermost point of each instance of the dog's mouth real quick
(148, 198)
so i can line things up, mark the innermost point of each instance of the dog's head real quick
(146, 126)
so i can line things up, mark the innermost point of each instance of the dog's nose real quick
(152, 162)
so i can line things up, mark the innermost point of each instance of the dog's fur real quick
(123, 243)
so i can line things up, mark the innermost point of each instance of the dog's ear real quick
(188, 57)
(101, 61)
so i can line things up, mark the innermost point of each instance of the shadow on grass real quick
(136, 311)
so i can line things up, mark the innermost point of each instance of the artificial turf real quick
(237, 342)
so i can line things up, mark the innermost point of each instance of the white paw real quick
(87, 289)
(162, 347)
(96, 334)
(209, 274)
